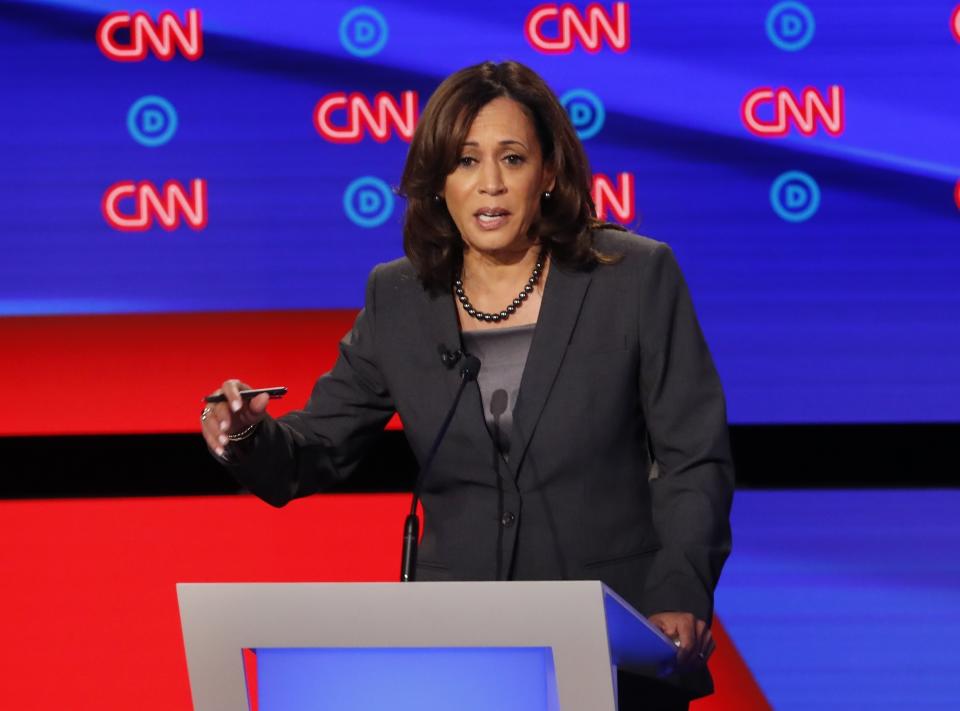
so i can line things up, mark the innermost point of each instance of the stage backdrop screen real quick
(174, 160)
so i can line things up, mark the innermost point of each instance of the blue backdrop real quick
(830, 295)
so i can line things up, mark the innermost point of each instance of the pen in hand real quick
(274, 393)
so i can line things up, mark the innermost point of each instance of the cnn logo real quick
(135, 207)
(806, 114)
(614, 199)
(344, 118)
(164, 37)
(555, 29)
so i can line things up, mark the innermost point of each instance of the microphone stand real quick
(411, 527)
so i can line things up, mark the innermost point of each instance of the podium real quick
(531, 645)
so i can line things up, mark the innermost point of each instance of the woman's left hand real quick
(692, 636)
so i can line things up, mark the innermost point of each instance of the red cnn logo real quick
(619, 200)
(165, 205)
(592, 28)
(163, 37)
(384, 114)
(955, 23)
(812, 109)
(956, 194)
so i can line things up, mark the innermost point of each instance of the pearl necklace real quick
(511, 308)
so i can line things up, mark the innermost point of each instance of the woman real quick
(594, 445)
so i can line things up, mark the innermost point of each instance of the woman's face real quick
(493, 195)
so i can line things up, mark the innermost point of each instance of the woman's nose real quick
(491, 180)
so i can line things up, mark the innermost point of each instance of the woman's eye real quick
(512, 159)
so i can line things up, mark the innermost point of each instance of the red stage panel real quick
(147, 373)
(736, 688)
(89, 604)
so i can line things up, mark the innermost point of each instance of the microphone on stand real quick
(411, 527)
(449, 358)
(498, 405)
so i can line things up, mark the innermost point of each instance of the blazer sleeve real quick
(307, 450)
(685, 412)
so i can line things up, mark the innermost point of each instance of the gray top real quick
(503, 354)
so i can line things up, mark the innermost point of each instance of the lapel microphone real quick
(411, 527)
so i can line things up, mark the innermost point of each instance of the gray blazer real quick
(618, 377)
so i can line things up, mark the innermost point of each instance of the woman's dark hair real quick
(430, 237)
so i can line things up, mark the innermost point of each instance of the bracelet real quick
(243, 434)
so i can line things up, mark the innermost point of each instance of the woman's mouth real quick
(491, 219)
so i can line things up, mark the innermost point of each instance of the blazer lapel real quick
(562, 298)
(442, 331)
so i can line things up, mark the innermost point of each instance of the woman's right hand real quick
(220, 419)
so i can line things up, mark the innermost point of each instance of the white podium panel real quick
(588, 628)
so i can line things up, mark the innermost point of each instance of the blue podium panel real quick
(406, 679)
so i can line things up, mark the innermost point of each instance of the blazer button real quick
(507, 519)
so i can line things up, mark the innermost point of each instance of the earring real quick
(546, 196)
(436, 197)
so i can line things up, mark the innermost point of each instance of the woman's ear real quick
(550, 181)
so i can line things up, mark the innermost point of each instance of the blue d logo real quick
(586, 112)
(790, 25)
(795, 196)
(152, 121)
(363, 31)
(368, 202)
